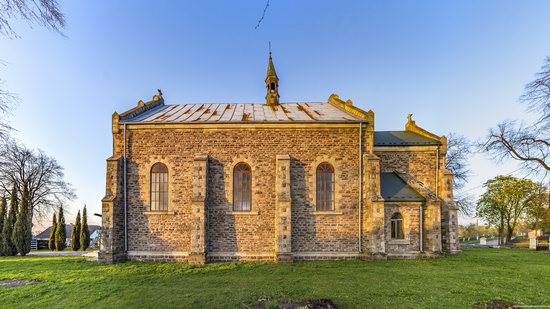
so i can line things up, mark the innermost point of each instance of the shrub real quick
(7, 246)
(22, 234)
(75, 235)
(51, 242)
(84, 231)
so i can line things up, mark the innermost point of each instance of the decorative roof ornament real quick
(413, 127)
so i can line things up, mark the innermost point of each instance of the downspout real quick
(125, 197)
(421, 223)
(360, 187)
(437, 172)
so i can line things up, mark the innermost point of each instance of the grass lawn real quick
(476, 275)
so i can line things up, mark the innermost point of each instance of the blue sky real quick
(458, 66)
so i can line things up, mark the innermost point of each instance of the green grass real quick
(476, 275)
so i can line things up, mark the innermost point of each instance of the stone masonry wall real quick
(242, 235)
(420, 164)
(411, 227)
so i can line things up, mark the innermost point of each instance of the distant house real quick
(43, 238)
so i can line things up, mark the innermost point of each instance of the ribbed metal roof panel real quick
(233, 112)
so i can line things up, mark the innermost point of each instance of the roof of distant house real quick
(393, 189)
(402, 138)
(68, 230)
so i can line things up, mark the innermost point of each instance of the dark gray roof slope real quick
(401, 138)
(394, 189)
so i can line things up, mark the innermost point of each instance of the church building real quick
(273, 181)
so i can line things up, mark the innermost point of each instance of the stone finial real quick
(443, 141)
(370, 119)
(115, 119)
(413, 127)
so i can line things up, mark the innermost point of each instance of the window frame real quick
(321, 192)
(239, 204)
(159, 187)
(397, 229)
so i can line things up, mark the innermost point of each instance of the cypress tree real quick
(2, 216)
(75, 235)
(8, 248)
(51, 242)
(60, 233)
(84, 231)
(22, 234)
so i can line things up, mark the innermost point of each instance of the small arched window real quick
(325, 187)
(396, 223)
(272, 88)
(159, 187)
(242, 187)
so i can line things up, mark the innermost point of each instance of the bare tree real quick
(45, 13)
(527, 143)
(42, 173)
(7, 100)
(263, 15)
(459, 149)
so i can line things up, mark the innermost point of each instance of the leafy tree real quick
(84, 231)
(22, 234)
(51, 242)
(2, 216)
(506, 202)
(75, 234)
(8, 247)
(471, 231)
(60, 233)
(536, 215)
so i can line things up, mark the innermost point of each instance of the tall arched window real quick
(159, 187)
(242, 187)
(396, 223)
(325, 187)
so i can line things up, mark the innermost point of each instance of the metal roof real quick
(402, 138)
(251, 112)
(395, 189)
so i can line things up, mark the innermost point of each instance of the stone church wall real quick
(240, 235)
(419, 163)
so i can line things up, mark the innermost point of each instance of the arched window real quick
(397, 226)
(325, 187)
(159, 187)
(242, 187)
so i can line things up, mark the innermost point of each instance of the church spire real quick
(271, 83)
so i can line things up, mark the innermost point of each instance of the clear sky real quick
(458, 66)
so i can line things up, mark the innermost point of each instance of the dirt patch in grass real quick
(307, 304)
(13, 283)
(494, 304)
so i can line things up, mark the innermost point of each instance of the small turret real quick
(271, 84)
